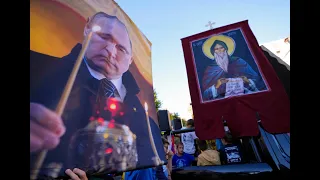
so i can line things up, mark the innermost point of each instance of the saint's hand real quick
(46, 128)
(245, 79)
(220, 82)
(76, 174)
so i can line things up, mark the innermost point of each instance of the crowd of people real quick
(188, 150)
(192, 151)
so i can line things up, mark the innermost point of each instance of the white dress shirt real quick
(121, 90)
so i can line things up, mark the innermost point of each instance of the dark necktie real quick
(107, 88)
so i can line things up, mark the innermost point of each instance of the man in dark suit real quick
(103, 77)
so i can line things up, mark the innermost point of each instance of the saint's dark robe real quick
(237, 67)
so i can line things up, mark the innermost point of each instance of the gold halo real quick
(209, 42)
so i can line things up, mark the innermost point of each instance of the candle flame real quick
(146, 106)
(96, 28)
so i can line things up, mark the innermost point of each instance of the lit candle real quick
(96, 28)
(72, 77)
(65, 95)
(156, 159)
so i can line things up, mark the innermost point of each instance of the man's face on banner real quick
(219, 49)
(110, 50)
(221, 57)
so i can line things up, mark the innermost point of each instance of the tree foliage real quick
(157, 102)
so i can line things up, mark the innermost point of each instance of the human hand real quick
(76, 174)
(46, 128)
(245, 79)
(221, 81)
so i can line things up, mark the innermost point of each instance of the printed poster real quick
(109, 122)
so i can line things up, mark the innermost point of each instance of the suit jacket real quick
(48, 76)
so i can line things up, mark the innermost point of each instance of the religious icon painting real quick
(225, 66)
(231, 80)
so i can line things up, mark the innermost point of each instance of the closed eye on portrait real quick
(123, 49)
(218, 48)
(104, 36)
